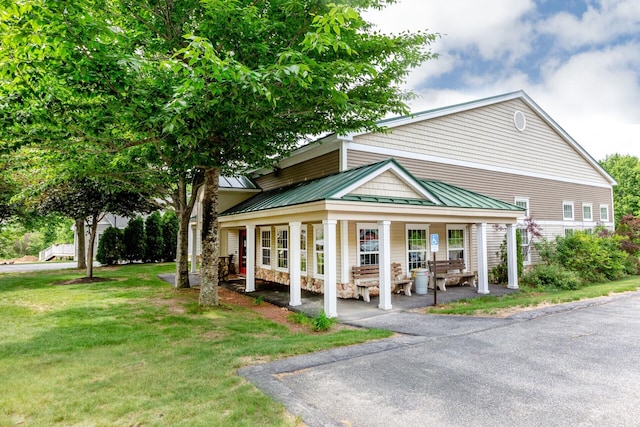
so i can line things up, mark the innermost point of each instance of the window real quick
(455, 243)
(318, 249)
(587, 212)
(525, 244)
(265, 247)
(417, 246)
(604, 213)
(567, 211)
(282, 247)
(568, 232)
(303, 249)
(523, 203)
(368, 244)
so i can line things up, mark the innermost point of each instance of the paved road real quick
(578, 364)
(21, 268)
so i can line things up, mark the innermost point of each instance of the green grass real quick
(527, 297)
(132, 351)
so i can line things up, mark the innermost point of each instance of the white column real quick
(345, 276)
(512, 257)
(194, 246)
(330, 289)
(250, 277)
(384, 264)
(294, 264)
(483, 269)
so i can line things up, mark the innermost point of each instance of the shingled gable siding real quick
(318, 167)
(545, 195)
(488, 136)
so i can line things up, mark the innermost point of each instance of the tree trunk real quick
(182, 251)
(210, 240)
(92, 239)
(82, 254)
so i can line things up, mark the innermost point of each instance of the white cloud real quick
(598, 24)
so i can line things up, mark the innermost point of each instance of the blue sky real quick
(578, 60)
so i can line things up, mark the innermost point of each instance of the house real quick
(470, 173)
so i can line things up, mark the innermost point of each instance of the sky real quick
(578, 60)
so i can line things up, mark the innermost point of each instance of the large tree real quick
(214, 85)
(626, 194)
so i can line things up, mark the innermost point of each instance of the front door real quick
(242, 252)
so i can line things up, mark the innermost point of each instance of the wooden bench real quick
(368, 276)
(453, 271)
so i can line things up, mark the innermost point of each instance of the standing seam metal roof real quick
(327, 187)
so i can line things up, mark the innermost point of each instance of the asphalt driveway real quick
(576, 364)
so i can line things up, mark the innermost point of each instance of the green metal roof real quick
(329, 187)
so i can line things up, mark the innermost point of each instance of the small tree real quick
(135, 240)
(154, 241)
(110, 247)
(169, 235)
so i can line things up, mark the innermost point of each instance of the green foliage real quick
(500, 272)
(626, 194)
(594, 257)
(259, 300)
(134, 239)
(629, 228)
(110, 246)
(154, 242)
(551, 276)
(321, 322)
(169, 235)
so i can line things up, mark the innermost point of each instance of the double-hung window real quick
(525, 239)
(567, 211)
(303, 249)
(282, 248)
(417, 246)
(318, 249)
(265, 247)
(604, 212)
(587, 212)
(368, 244)
(455, 242)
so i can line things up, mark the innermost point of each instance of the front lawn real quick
(132, 351)
(530, 298)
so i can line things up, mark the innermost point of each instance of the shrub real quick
(321, 322)
(134, 240)
(551, 276)
(169, 235)
(110, 247)
(500, 272)
(595, 258)
(154, 240)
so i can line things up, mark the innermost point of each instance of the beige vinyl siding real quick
(545, 195)
(318, 167)
(387, 184)
(487, 136)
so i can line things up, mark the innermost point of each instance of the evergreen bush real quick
(169, 235)
(134, 240)
(154, 240)
(110, 247)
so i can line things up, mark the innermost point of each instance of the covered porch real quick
(310, 235)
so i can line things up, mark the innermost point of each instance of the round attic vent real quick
(519, 120)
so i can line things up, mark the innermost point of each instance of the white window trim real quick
(265, 266)
(277, 263)
(590, 205)
(406, 232)
(304, 232)
(465, 250)
(317, 227)
(573, 213)
(360, 226)
(607, 208)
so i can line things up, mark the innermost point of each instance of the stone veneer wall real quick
(309, 283)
